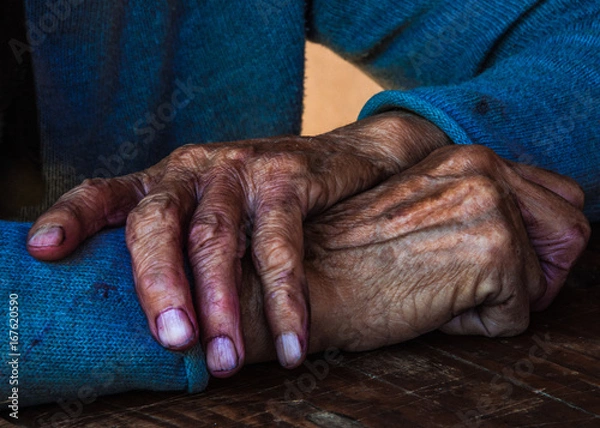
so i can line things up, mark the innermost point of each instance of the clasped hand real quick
(465, 242)
(204, 200)
(462, 241)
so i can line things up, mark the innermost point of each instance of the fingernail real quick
(47, 236)
(289, 351)
(221, 355)
(174, 328)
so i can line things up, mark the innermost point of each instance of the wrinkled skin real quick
(205, 199)
(464, 242)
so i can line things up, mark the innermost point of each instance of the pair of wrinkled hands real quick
(371, 234)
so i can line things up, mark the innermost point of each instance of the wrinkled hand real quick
(203, 199)
(465, 242)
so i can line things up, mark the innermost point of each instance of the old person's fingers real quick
(216, 244)
(563, 186)
(512, 277)
(80, 213)
(311, 174)
(155, 237)
(550, 206)
(557, 230)
(424, 251)
(277, 249)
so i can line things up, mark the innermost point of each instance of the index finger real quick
(154, 234)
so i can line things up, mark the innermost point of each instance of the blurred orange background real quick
(335, 91)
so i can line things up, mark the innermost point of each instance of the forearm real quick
(520, 78)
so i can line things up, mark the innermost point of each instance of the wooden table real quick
(549, 376)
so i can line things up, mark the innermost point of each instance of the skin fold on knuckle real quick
(156, 212)
(279, 164)
(188, 157)
(280, 268)
(156, 253)
(275, 178)
(212, 230)
(275, 258)
(216, 296)
(461, 159)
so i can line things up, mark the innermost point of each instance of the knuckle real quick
(87, 197)
(153, 285)
(497, 242)
(237, 154)
(155, 212)
(579, 233)
(189, 155)
(215, 296)
(273, 164)
(469, 157)
(213, 224)
(484, 189)
(576, 195)
(94, 184)
(478, 153)
(276, 259)
(277, 250)
(212, 230)
(158, 204)
(480, 195)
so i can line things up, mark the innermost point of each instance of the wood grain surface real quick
(549, 376)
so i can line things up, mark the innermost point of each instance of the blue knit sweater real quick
(121, 84)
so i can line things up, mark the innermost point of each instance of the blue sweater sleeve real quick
(521, 77)
(74, 329)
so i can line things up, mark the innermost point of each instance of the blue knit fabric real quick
(121, 84)
(519, 76)
(80, 328)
